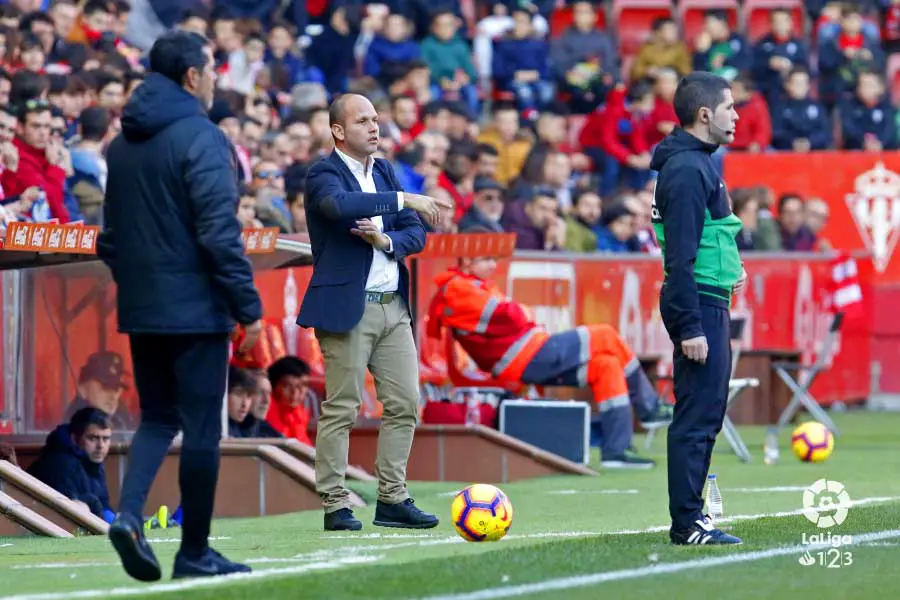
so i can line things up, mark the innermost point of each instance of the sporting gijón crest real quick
(875, 206)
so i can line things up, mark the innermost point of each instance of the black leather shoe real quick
(127, 537)
(342, 520)
(405, 514)
(208, 564)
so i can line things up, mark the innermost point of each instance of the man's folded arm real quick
(409, 236)
(325, 196)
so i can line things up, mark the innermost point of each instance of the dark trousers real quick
(701, 397)
(181, 381)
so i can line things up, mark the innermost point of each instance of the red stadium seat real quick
(635, 19)
(756, 16)
(693, 12)
(562, 18)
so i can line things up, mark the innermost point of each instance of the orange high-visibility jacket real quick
(498, 333)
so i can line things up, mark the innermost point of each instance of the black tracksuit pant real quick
(701, 397)
(181, 381)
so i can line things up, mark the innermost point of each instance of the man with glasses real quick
(487, 207)
(44, 162)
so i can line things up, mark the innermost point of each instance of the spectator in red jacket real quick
(663, 118)
(617, 138)
(754, 134)
(43, 162)
(289, 413)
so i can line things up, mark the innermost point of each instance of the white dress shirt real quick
(384, 274)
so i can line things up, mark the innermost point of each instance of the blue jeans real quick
(536, 94)
(614, 172)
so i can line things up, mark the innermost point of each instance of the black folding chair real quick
(800, 378)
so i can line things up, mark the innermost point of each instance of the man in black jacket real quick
(173, 243)
(71, 462)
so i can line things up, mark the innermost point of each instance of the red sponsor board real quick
(782, 302)
(862, 190)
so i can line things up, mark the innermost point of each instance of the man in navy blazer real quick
(361, 227)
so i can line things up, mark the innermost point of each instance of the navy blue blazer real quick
(335, 299)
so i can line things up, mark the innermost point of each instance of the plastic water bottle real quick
(473, 409)
(713, 498)
(771, 447)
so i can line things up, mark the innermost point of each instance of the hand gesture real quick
(368, 230)
(9, 156)
(251, 335)
(428, 208)
(696, 349)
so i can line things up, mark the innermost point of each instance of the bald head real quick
(337, 113)
(354, 126)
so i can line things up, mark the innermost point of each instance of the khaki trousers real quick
(383, 342)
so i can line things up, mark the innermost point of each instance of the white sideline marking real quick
(178, 540)
(756, 517)
(178, 586)
(603, 492)
(379, 536)
(777, 488)
(5, 545)
(579, 581)
(62, 565)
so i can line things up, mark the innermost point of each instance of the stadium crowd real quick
(541, 131)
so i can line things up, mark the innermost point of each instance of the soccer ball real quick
(812, 442)
(481, 513)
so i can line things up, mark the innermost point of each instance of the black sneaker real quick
(701, 533)
(627, 460)
(661, 417)
(405, 514)
(342, 520)
(208, 564)
(138, 560)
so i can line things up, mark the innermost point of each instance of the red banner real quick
(862, 190)
(75, 316)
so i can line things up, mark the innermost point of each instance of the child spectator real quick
(663, 50)
(795, 236)
(450, 59)
(522, 64)
(617, 229)
(846, 55)
(617, 137)
(88, 181)
(720, 50)
(755, 131)
(800, 123)
(110, 93)
(31, 55)
(868, 121)
(777, 53)
(245, 65)
(391, 51)
(584, 61)
(286, 65)
(242, 387)
(289, 413)
(246, 210)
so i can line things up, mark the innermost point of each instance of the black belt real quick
(381, 297)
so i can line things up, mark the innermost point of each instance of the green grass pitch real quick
(572, 538)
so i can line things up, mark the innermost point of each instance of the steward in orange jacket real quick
(502, 338)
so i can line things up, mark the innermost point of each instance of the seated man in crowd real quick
(71, 462)
(100, 385)
(502, 338)
(289, 414)
(255, 424)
